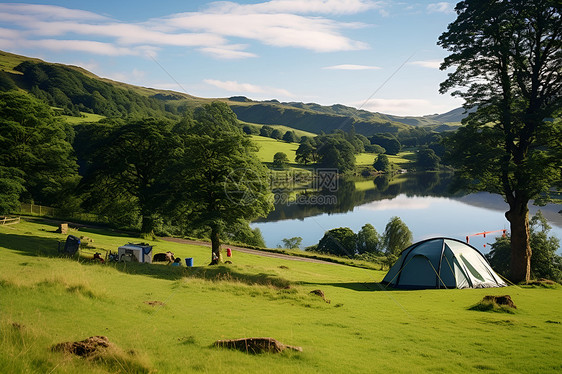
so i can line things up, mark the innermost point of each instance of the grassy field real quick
(401, 160)
(86, 117)
(269, 147)
(45, 300)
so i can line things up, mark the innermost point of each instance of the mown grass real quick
(45, 300)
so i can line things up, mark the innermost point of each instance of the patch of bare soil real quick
(84, 348)
(504, 300)
(256, 345)
(321, 294)
(154, 303)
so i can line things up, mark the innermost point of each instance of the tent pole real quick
(438, 278)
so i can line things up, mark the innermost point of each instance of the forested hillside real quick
(75, 90)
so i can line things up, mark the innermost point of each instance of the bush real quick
(340, 242)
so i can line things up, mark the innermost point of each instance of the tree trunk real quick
(520, 266)
(215, 246)
(147, 224)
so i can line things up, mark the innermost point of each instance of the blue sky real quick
(375, 55)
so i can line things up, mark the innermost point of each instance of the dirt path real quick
(252, 251)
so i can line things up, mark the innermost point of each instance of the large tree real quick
(37, 162)
(507, 61)
(219, 182)
(545, 263)
(128, 167)
(335, 152)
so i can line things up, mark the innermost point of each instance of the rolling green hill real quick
(75, 90)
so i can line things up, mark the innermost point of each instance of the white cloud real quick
(9, 34)
(431, 64)
(88, 46)
(49, 12)
(234, 86)
(227, 52)
(278, 23)
(299, 6)
(280, 30)
(403, 107)
(352, 67)
(442, 7)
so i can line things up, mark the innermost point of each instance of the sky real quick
(380, 56)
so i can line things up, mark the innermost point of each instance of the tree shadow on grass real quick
(356, 286)
(29, 245)
(37, 246)
(226, 273)
(84, 228)
(209, 273)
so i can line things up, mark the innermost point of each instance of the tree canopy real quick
(427, 159)
(340, 242)
(280, 160)
(37, 162)
(368, 240)
(129, 166)
(507, 61)
(382, 164)
(218, 180)
(397, 236)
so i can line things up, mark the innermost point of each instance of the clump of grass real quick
(76, 287)
(116, 360)
(99, 351)
(541, 283)
(228, 274)
(491, 306)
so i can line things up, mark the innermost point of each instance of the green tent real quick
(442, 263)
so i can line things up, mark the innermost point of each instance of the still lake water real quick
(421, 202)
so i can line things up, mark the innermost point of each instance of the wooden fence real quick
(48, 211)
(35, 209)
(5, 220)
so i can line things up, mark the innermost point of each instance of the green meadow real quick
(46, 299)
(85, 117)
(268, 147)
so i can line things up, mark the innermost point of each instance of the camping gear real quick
(71, 245)
(189, 261)
(442, 263)
(131, 252)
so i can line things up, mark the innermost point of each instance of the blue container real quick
(189, 261)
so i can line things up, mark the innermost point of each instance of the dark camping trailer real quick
(442, 263)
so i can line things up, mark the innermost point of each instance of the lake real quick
(421, 201)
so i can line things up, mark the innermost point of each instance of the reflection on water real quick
(351, 193)
(422, 201)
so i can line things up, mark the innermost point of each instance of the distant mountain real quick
(75, 90)
(316, 118)
(455, 115)
(313, 118)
